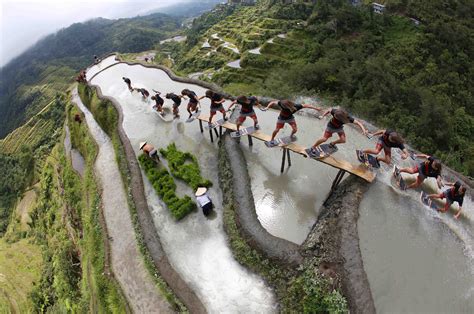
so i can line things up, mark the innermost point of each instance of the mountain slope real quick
(418, 79)
(54, 60)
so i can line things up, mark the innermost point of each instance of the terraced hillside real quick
(382, 67)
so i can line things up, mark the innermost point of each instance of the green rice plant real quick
(164, 185)
(184, 166)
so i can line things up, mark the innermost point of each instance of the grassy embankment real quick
(67, 226)
(382, 68)
(107, 117)
(301, 290)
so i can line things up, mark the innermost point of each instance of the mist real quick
(23, 23)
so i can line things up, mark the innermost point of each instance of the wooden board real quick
(194, 116)
(367, 159)
(243, 131)
(215, 124)
(280, 142)
(357, 170)
(399, 179)
(321, 151)
(428, 202)
(167, 116)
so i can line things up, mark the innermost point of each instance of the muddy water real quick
(416, 260)
(127, 263)
(78, 162)
(196, 246)
(94, 69)
(287, 206)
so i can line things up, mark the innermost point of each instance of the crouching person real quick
(151, 151)
(204, 201)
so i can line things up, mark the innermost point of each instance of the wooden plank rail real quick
(358, 170)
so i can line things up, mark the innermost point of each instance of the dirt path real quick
(127, 264)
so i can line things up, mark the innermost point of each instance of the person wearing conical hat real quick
(204, 201)
(336, 125)
(151, 151)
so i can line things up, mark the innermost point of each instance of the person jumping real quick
(246, 110)
(336, 125)
(387, 141)
(193, 101)
(428, 168)
(176, 102)
(216, 104)
(454, 194)
(158, 102)
(287, 109)
(128, 82)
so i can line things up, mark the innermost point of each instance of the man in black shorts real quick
(216, 104)
(176, 102)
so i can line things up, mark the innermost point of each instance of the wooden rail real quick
(358, 170)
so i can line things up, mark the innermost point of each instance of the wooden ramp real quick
(358, 170)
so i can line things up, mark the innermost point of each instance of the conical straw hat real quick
(201, 191)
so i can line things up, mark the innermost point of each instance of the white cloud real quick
(22, 23)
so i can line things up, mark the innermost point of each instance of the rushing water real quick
(287, 206)
(196, 246)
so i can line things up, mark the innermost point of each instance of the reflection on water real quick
(398, 236)
(93, 70)
(196, 246)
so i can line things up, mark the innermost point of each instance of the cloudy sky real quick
(23, 22)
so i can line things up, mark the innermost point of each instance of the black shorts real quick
(206, 209)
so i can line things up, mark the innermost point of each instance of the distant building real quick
(206, 45)
(356, 2)
(378, 8)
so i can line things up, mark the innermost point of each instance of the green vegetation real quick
(107, 117)
(184, 166)
(164, 185)
(29, 82)
(383, 68)
(67, 224)
(20, 264)
(22, 153)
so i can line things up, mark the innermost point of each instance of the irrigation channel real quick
(415, 259)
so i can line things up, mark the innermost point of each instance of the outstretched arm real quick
(232, 104)
(220, 101)
(312, 107)
(361, 126)
(422, 156)
(379, 132)
(271, 103)
(199, 98)
(327, 112)
(404, 153)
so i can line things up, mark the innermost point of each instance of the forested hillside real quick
(27, 82)
(418, 79)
